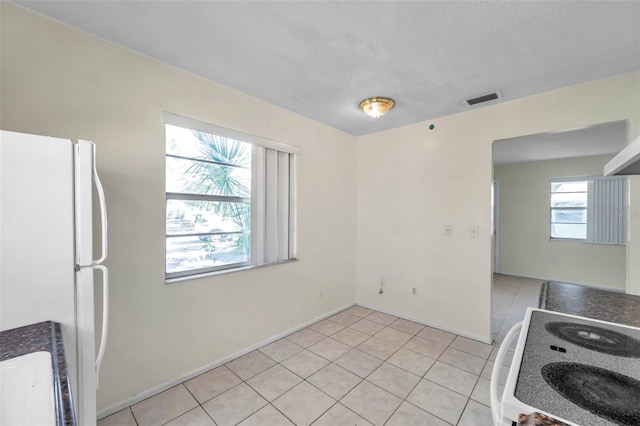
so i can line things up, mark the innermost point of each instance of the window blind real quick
(273, 206)
(608, 225)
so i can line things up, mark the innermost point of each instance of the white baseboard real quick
(190, 375)
(408, 318)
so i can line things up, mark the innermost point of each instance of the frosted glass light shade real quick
(376, 107)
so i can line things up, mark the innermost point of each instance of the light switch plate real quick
(474, 231)
(448, 230)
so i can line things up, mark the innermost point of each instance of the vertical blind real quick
(608, 224)
(273, 206)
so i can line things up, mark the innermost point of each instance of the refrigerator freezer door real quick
(36, 230)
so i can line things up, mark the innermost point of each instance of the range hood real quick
(627, 162)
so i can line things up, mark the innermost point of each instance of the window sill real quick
(226, 271)
(569, 240)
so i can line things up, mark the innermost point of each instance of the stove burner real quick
(605, 393)
(596, 338)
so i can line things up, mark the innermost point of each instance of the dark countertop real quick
(47, 337)
(589, 302)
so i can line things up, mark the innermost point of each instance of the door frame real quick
(495, 235)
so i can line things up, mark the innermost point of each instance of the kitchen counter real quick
(588, 302)
(43, 336)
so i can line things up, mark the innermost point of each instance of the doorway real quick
(524, 253)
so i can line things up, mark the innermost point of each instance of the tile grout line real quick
(133, 415)
(472, 389)
(200, 405)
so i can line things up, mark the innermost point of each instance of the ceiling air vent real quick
(482, 99)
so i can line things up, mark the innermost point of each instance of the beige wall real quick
(412, 181)
(525, 248)
(61, 82)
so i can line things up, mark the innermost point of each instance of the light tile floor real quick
(511, 297)
(358, 367)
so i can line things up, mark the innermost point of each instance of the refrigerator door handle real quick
(103, 212)
(105, 318)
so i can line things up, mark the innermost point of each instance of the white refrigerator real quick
(46, 251)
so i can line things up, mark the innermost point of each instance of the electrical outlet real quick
(321, 294)
(448, 230)
(414, 291)
(474, 231)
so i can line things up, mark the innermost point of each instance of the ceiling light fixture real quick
(376, 107)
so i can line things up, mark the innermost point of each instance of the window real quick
(589, 209)
(569, 209)
(230, 199)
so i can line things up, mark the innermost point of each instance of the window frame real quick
(257, 143)
(587, 209)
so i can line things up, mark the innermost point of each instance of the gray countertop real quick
(588, 302)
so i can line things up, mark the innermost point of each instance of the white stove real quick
(580, 371)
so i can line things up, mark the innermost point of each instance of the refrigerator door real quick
(37, 230)
(37, 244)
(85, 400)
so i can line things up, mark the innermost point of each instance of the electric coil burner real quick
(596, 338)
(578, 370)
(602, 392)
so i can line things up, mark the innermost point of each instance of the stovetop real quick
(582, 370)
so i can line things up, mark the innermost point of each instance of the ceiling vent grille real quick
(482, 99)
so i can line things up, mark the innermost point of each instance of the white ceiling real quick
(320, 59)
(603, 139)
